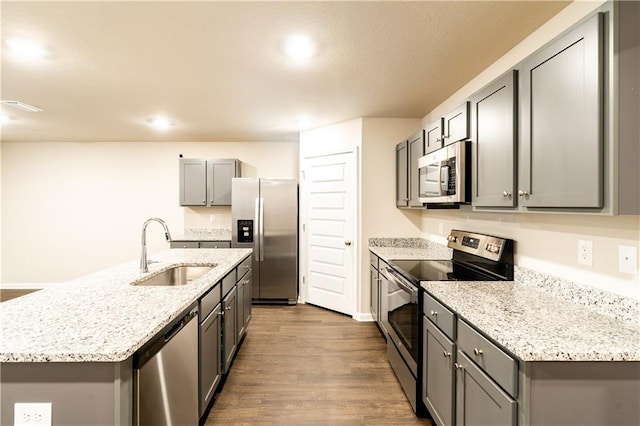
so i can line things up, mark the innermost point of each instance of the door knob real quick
(347, 243)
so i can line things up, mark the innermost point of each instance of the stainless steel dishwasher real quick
(166, 375)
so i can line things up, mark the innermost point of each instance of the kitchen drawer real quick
(440, 316)
(215, 244)
(209, 301)
(228, 282)
(184, 244)
(243, 268)
(373, 259)
(500, 366)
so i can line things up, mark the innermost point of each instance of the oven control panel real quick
(486, 246)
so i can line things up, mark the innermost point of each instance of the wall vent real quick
(21, 105)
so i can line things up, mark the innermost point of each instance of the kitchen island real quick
(73, 345)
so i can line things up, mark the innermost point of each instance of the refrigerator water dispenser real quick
(245, 231)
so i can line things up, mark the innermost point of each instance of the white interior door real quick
(331, 242)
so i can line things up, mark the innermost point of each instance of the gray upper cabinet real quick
(207, 182)
(456, 125)
(494, 135)
(402, 183)
(433, 136)
(561, 151)
(416, 150)
(193, 182)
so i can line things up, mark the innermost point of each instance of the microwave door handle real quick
(444, 180)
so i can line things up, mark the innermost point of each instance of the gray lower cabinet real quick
(479, 400)
(244, 304)
(383, 291)
(494, 117)
(200, 244)
(229, 335)
(209, 348)
(375, 293)
(438, 374)
(561, 138)
(402, 179)
(207, 182)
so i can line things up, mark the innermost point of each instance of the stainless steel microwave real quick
(444, 175)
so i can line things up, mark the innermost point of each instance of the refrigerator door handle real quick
(261, 224)
(256, 231)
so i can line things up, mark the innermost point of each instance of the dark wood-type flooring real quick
(303, 365)
(12, 294)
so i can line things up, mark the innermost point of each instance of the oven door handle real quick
(413, 292)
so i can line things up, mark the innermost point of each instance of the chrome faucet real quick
(144, 267)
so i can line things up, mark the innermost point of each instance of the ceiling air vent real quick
(21, 105)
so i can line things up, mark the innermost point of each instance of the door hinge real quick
(302, 171)
(304, 228)
(304, 279)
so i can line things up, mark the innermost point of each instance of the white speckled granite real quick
(610, 304)
(408, 248)
(101, 317)
(205, 234)
(536, 326)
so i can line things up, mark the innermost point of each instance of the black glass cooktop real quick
(424, 270)
(415, 271)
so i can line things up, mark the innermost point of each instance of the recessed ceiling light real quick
(27, 49)
(160, 123)
(299, 48)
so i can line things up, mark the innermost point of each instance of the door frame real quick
(355, 243)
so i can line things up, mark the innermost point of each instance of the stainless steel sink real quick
(178, 275)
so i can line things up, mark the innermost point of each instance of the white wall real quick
(546, 242)
(70, 209)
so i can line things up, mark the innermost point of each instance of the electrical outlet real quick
(32, 414)
(628, 259)
(585, 252)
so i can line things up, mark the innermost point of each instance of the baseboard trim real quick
(363, 317)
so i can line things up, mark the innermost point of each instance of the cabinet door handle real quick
(506, 194)
(228, 308)
(434, 313)
(458, 366)
(477, 351)
(523, 193)
(446, 354)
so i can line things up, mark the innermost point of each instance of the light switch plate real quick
(628, 259)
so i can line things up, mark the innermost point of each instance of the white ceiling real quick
(217, 70)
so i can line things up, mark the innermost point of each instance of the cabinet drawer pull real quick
(434, 313)
(446, 354)
(523, 193)
(228, 308)
(477, 351)
(457, 366)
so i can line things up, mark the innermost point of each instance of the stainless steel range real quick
(476, 257)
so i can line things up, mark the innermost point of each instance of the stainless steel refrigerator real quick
(264, 216)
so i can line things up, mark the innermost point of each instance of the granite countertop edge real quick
(111, 318)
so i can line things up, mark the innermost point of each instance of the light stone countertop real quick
(101, 317)
(536, 326)
(537, 317)
(204, 234)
